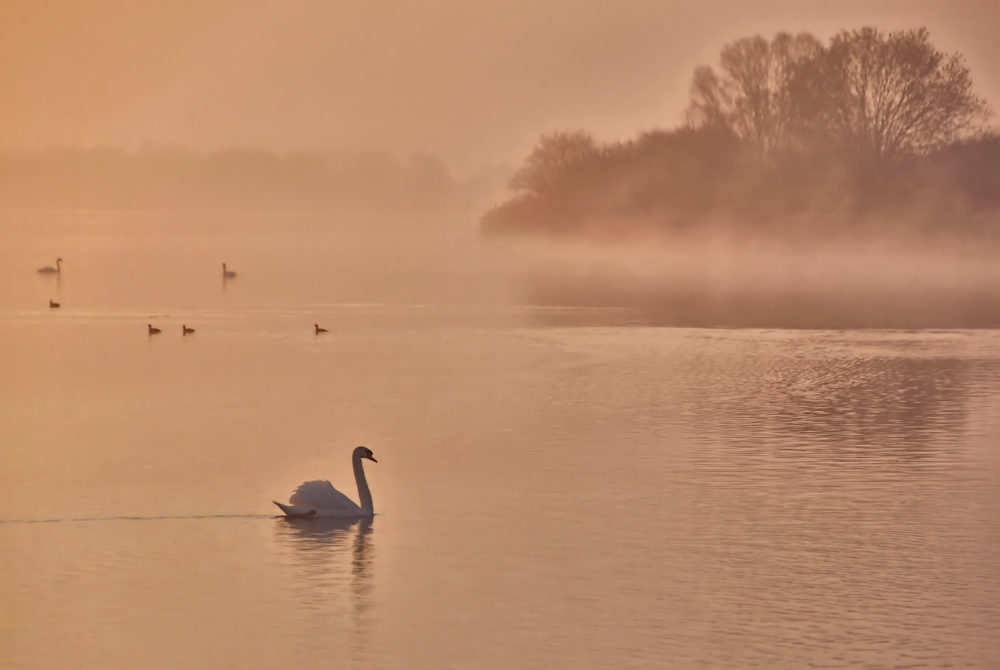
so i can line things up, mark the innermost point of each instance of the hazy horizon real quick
(472, 84)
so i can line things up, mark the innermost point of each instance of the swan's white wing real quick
(321, 495)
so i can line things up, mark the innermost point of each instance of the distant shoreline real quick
(71, 178)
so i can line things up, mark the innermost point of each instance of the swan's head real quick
(59, 260)
(364, 452)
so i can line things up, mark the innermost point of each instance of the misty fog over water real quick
(732, 283)
(672, 327)
(554, 485)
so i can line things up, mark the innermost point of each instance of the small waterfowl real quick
(49, 270)
(53, 304)
(152, 331)
(227, 274)
(185, 330)
(318, 329)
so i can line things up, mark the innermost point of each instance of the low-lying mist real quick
(722, 282)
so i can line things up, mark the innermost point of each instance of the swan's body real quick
(319, 498)
(152, 331)
(227, 274)
(185, 330)
(318, 329)
(53, 304)
(49, 270)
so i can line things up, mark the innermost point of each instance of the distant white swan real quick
(49, 270)
(227, 274)
(319, 498)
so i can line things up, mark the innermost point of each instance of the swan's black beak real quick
(371, 458)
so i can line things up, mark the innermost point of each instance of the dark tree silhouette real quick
(752, 95)
(873, 132)
(881, 97)
(551, 158)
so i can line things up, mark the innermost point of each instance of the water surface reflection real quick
(331, 570)
(589, 497)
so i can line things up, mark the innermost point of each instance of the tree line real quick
(108, 178)
(787, 135)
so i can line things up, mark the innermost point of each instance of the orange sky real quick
(473, 81)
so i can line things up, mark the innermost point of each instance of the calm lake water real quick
(555, 488)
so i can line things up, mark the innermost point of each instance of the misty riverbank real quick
(851, 183)
(789, 138)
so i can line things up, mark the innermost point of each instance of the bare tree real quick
(554, 154)
(752, 94)
(883, 96)
(710, 99)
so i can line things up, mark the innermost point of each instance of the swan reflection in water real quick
(331, 559)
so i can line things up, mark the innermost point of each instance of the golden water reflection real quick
(331, 568)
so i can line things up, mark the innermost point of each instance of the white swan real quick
(227, 274)
(319, 498)
(49, 270)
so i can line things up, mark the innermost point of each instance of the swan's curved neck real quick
(364, 493)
